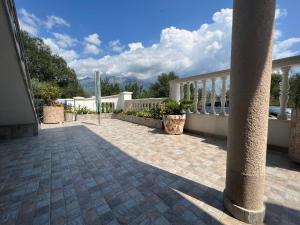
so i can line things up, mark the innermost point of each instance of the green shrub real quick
(69, 111)
(82, 110)
(171, 107)
(186, 105)
(118, 111)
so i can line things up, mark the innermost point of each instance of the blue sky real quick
(144, 38)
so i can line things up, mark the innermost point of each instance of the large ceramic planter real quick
(53, 114)
(174, 123)
(68, 117)
(294, 148)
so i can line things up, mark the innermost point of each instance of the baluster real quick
(213, 96)
(181, 91)
(203, 110)
(284, 92)
(196, 97)
(188, 91)
(223, 96)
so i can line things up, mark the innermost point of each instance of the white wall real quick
(278, 130)
(90, 103)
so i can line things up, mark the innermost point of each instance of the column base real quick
(242, 214)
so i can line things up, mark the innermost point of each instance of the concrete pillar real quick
(174, 90)
(284, 92)
(251, 68)
(181, 91)
(213, 96)
(223, 97)
(196, 96)
(203, 98)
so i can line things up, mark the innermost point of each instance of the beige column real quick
(196, 96)
(284, 92)
(251, 68)
(213, 96)
(203, 98)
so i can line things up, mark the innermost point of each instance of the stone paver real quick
(122, 173)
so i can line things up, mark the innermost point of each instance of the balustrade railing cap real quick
(276, 64)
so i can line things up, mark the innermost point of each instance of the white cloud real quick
(116, 46)
(29, 22)
(68, 54)
(135, 45)
(32, 24)
(283, 48)
(182, 51)
(91, 49)
(64, 40)
(91, 44)
(53, 21)
(93, 39)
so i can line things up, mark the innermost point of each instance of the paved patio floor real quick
(122, 173)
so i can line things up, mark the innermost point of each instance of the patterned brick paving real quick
(122, 173)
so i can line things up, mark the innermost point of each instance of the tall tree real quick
(161, 87)
(109, 88)
(135, 88)
(44, 67)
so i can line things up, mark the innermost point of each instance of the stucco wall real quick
(278, 130)
(90, 103)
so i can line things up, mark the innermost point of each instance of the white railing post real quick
(203, 98)
(181, 91)
(174, 90)
(284, 92)
(213, 96)
(223, 96)
(188, 91)
(196, 96)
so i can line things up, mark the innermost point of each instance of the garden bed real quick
(149, 122)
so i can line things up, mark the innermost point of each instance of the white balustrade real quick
(142, 104)
(177, 87)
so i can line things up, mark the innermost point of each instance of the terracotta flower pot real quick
(53, 114)
(174, 123)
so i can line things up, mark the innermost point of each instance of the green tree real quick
(161, 87)
(45, 90)
(275, 89)
(135, 88)
(47, 67)
(109, 88)
(294, 93)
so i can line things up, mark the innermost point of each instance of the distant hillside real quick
(88, 83)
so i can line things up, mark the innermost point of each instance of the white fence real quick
(90, 103)
(143, 104)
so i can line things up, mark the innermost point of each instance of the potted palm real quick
(173, 114)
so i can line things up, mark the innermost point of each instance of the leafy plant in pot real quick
(69, 113)
(173, 114)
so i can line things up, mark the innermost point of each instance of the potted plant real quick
(174, 117)
(69, 113)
